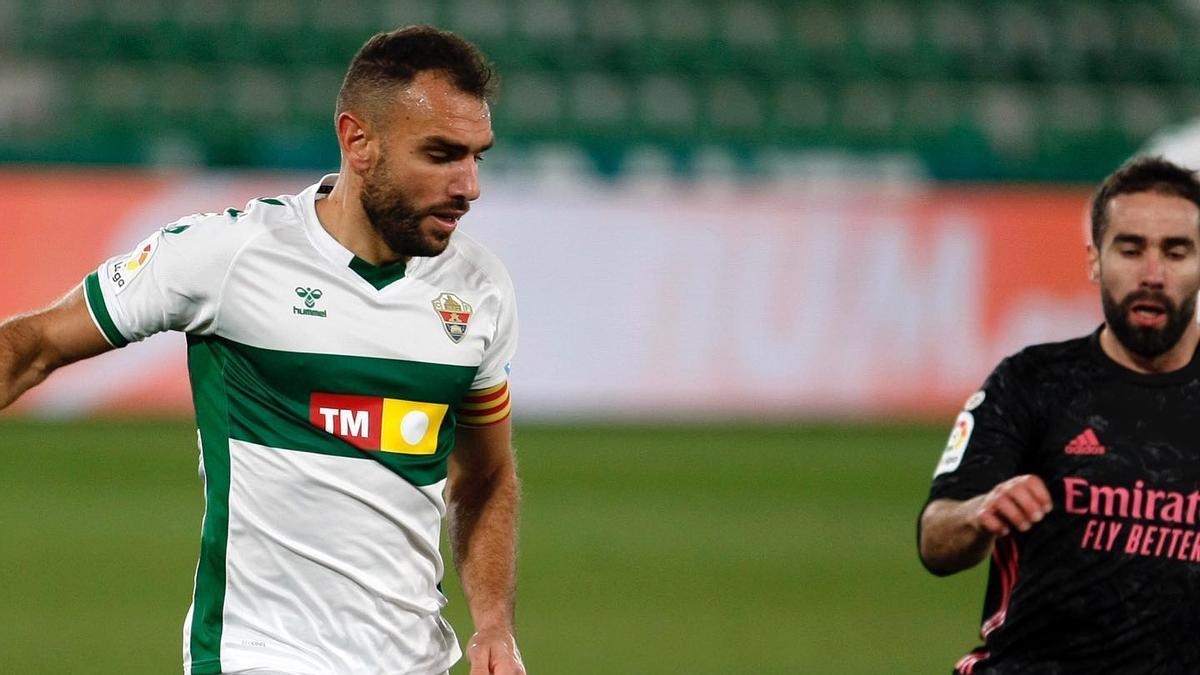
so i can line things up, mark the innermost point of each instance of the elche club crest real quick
(454, 313)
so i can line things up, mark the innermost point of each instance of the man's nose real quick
(465, 184)
(1152, 271)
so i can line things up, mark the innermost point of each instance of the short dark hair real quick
(1142, 174)
(393, 59)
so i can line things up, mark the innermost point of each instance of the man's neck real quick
(342, 216)
(1173, 359)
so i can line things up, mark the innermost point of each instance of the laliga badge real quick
(454, 313)
(974, 401)
(121, 271)
(960, 435)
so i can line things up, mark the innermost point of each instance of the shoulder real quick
(1055, 363)
(226, 232)
(1051, 355)
(476, 264)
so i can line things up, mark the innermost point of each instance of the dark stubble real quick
(397, 219)
(1147, 341)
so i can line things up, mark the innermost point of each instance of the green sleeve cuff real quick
(95, 301)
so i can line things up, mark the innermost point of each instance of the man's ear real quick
(1093, 256)
(357, 141)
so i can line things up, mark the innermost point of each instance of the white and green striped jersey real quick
(327, 392)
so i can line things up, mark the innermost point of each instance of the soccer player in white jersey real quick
(341, 343)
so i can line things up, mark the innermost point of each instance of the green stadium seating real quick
(976, 88)
(668, 108)
(599, 105)
(532, 102)
(1139, 110)
(801, 112)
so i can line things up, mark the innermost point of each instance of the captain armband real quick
(484, 407)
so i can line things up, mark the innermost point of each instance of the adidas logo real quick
(1085, 444)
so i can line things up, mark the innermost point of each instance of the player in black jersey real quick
(1077, 466)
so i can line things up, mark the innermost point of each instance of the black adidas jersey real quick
(1109, 581)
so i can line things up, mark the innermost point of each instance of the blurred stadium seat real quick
(975, 90)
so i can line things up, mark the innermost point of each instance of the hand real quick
(494, 652)
(1016, 503)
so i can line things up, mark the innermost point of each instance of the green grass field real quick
(644, 550)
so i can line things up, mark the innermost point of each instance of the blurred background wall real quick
(710, 208)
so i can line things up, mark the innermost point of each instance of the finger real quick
(508, 667)
(1011, 512)
(480, 660)
(1038, 489)
(1024, 497)
(993, 525)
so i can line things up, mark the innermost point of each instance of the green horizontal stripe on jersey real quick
(268, 393)
(95, 300)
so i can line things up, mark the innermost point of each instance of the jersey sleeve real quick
(170, 281)
(488, 401)
(989, 438)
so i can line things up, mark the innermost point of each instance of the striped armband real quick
(483, 407)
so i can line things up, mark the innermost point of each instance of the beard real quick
(397, 220)
(1147, 341)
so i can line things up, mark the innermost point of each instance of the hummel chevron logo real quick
(310, 297)
(1085, 444)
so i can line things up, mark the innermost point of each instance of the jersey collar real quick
(378, 276)
(1190, 371)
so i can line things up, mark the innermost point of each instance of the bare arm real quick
(483, 495)
(34, 345)
(956, 535)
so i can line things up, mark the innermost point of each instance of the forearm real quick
(33, 345)
(951, 538)
(956, 535)
(23, 361)
(483, 534)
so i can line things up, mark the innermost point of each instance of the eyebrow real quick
(455, 146)
(1135, 239)
(1139, 240)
